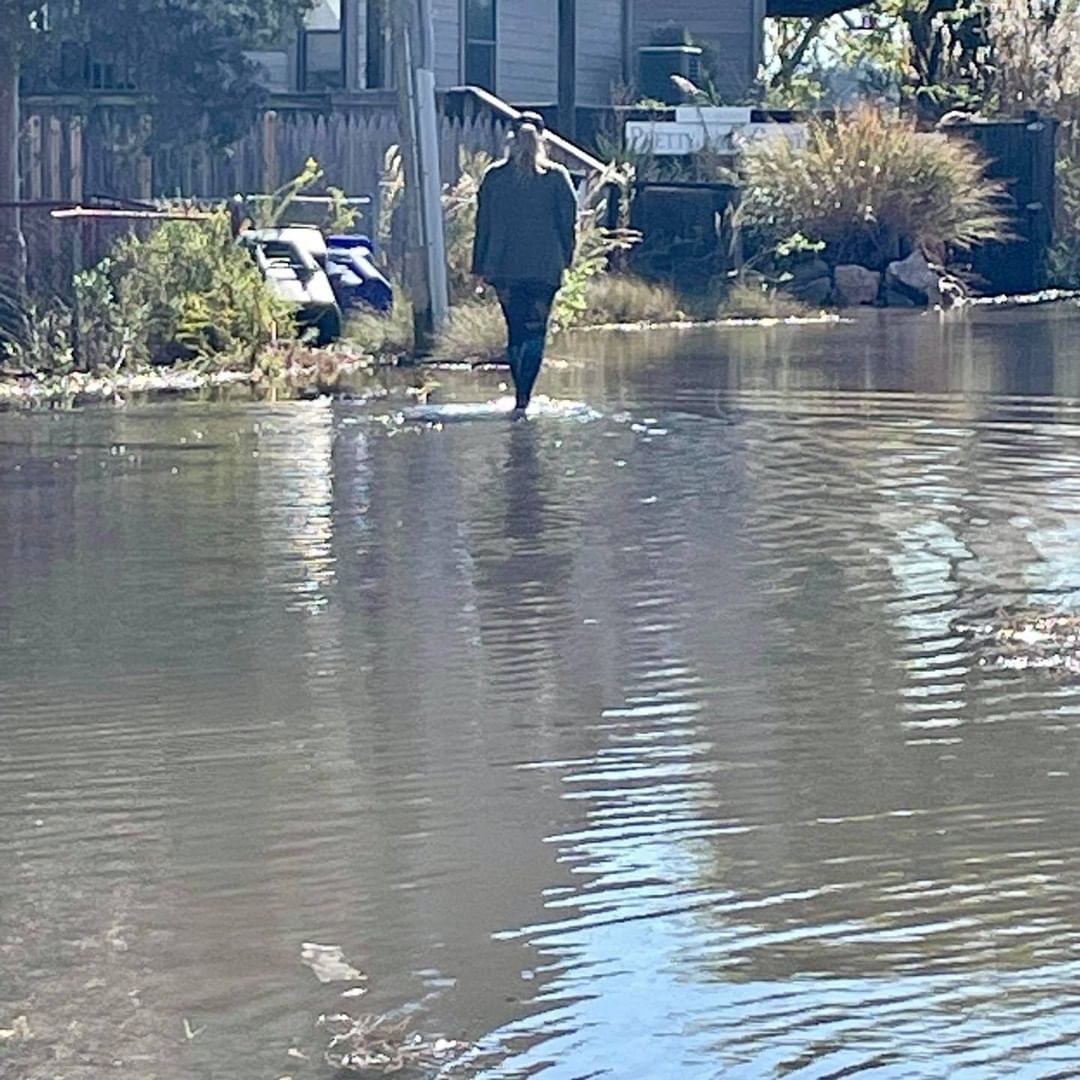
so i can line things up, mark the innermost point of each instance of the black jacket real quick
(525, 225)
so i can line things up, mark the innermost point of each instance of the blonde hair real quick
(525, 149)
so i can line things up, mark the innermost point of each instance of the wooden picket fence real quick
(70, 152)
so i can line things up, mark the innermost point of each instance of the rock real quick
(894, 298)
(915, 277)
(807, 271)
(810, 282)
(815, 293)
(856, 285)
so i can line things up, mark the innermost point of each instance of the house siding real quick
(527, 53)
(446, 15)
(599, 49)
(731, 27)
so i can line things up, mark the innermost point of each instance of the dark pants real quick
(526, 306)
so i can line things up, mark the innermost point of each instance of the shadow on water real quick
(648, 745)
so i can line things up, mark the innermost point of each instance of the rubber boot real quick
(529, 361)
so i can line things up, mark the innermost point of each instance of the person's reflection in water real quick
(523, 578)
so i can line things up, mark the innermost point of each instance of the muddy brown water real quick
(634, 740)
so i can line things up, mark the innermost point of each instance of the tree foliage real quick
(187, 56)
(933, 56)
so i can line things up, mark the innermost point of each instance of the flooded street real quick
(636, 740)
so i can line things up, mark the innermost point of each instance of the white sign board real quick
(668, 138)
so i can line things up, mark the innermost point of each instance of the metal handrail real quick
(564, 146)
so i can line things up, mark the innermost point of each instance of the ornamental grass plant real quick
(870, 186)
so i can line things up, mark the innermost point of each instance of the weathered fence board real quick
(1023, 154)
(73, 150)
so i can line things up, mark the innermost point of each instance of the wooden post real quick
(12, 245)
(56, 149)
(33, 144)
(425, 263)
(76, 309)
(144, 169)
(269, 152)
(75, 155)
(568, 69)
(408, 140)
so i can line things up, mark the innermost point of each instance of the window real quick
(480, 43)
(322, 52)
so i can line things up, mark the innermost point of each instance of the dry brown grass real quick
(474, 331)
(753, 301)
(622, 298)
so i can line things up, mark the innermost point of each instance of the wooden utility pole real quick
(12, 245)
(425, 260)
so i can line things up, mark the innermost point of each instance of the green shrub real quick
(189, 291)
(865, 184)
(622, 298)
(596, 244)
(475, 330)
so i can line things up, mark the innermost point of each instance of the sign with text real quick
(723, 131)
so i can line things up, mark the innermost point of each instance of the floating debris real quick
(328, 963)
(379, 1045)
(1031, 639)
(18, 1032)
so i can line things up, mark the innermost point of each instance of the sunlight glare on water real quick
(640, 738)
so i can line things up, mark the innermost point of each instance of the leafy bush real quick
(189, 291)
(622, 298)
(866, 184)
(596, 244)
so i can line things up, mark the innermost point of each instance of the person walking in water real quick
(525, 233)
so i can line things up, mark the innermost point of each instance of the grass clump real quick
(747, 300)
(622, 298)
(475, 330)
(388, 335)
(865, 185)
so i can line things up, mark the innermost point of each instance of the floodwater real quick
(635, 740)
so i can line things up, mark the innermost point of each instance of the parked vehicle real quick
(292, 260)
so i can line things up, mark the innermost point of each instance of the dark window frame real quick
(340, 81)
(474, 46)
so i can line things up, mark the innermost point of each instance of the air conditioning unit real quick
(656, 65)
